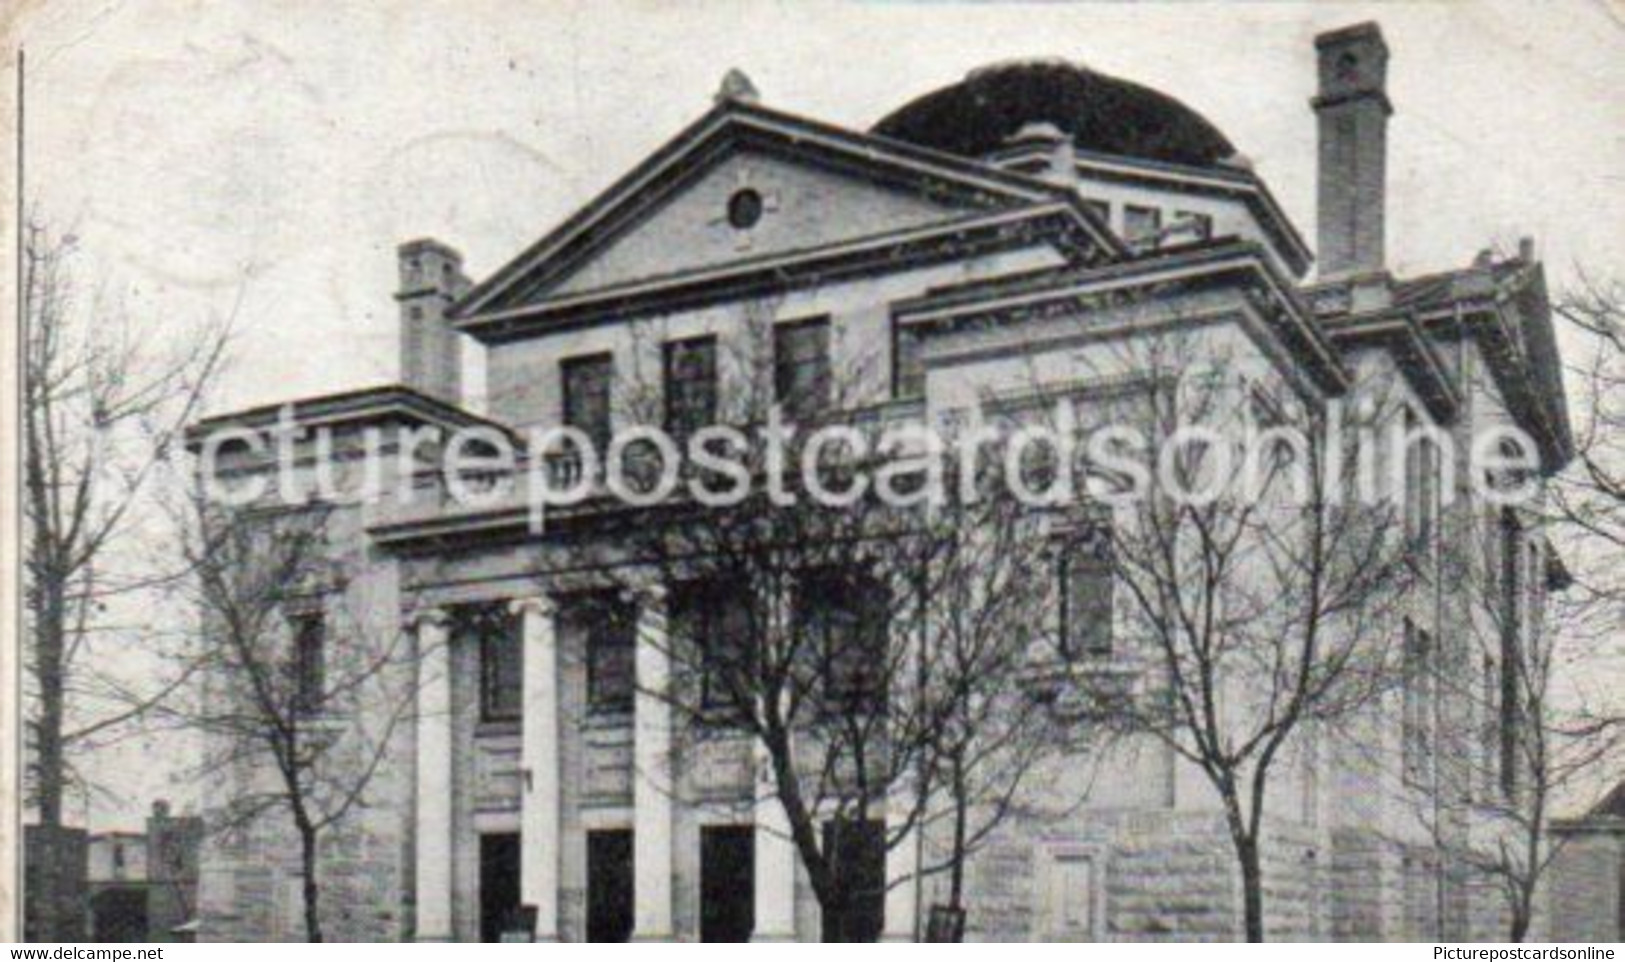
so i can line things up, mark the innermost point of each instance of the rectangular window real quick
(611, 656)
(1490, 727)
(493, 630)
(1197, 227)
(801, 368)
(1141, 225)
(857, 854)
(586, 382)
(1511, 701)
(690, 385)
(1087, 583)
(1421, 486)
(1418, 708)
(309, 664)
(908, 366)
(849, 618)
(717, 622)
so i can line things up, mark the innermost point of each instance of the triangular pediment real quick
(745, 183)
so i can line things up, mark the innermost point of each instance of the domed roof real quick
(1103, 114)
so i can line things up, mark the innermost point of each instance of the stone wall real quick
(1584, 886)
(1161, 875)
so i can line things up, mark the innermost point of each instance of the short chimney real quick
(1352, 108)
(431, 352)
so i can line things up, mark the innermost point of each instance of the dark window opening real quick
(1511, 720)
(611, 655)
(1417, 721)
(309, 666)
(908, 362)
(744, 209)
(727, 883)
(609, 886)
(857, 854)
(715, 621)
(690, 385)
(499, 885)
(849, 617)
(801, 375)
(494, 631)
(586, 384)
(1088, 582)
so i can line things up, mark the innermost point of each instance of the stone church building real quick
(992, 219)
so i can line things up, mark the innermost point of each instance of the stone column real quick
(775, 867)
(539, 766)
(902, 871)
(653, 782)
(433, 851)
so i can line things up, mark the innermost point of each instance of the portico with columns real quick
(562, 774)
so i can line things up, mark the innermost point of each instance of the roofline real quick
(1015, 186)
(360, 404)
(708, 284)
(1254, 191)
(1399, 332)
(1189, 262)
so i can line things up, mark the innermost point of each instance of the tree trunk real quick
(1522, 909)
(311, 891)
(1252, 886)
(956, 886)
(49, 763)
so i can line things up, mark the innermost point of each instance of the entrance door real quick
(499, 884)
(609, 886)
(858, 850)
(727, 883)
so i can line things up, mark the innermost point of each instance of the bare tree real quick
(870, 648)
(1525, 734)
(295, 726)
(1259, 592)
(104, 402)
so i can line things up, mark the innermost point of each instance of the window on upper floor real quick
(611, 638)
(801, 371)
(1141, 225)
(1195, 226)
(690, 385)
(908, 364)
(307, 666)
(587, 381)
(716, 623)
(1421, 487)
(493, 632)
(1510, 556)
(848, 616)
(1087, 585)
(1419, 722)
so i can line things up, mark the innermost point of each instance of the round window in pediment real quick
(744, 209)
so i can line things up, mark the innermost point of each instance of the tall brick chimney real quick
(1352, 108)
(431, 352)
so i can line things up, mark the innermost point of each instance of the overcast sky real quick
(273, 154)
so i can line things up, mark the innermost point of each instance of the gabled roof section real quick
(1504, 303)
(1418, 359)
(961, 186)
